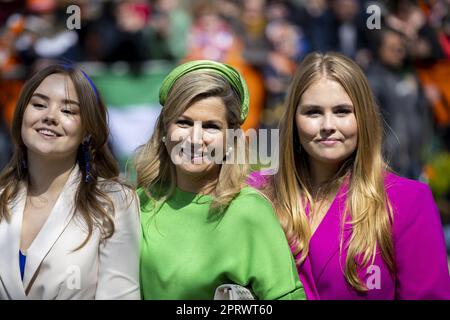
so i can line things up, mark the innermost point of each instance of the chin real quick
(51, 152)
(42, 150)
(332, 159)
(195, 169)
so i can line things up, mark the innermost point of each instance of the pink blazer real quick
(419, 249)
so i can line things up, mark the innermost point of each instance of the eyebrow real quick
(203, 122)
(65, 101)
(311, 106)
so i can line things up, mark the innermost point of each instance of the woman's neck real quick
(321, 173)
(201, 185)
(47, 176)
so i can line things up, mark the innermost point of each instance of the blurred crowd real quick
(402, 45)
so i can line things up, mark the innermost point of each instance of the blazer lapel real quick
(57, 221)
(10, 233)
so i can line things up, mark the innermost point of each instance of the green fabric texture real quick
(236, 80)
(187, 255)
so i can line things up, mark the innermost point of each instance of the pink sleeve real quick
(421, 260)
(256, 180)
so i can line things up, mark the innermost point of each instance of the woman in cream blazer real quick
(68, 228)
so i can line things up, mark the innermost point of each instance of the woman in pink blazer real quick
(357, 231)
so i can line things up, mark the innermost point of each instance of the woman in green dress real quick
(202, 226)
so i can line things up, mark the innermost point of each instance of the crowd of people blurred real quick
(406, 58)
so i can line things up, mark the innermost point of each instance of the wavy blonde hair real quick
(367, 202)
(155, 170)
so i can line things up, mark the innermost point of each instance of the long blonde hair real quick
(155, 170)
(367, 202)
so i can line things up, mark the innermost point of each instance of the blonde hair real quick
(367, 202)
(155, 170)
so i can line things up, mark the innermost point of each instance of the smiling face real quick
(326, 122)
(193, 135)
(51, 126)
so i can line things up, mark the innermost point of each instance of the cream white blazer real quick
(106, 269)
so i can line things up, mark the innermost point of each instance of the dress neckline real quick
(186, 197)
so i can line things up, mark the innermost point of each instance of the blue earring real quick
(87, 158)
(23, 167)
(24, 164)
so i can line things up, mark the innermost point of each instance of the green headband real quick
(235, 79)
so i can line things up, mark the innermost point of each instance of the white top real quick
(106, 269)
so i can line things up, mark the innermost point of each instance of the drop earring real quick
(87, 158)
(24, 164)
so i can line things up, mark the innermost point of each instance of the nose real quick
(197, 133)
(50, 117)
(328, 125)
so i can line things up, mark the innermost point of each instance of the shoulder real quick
(252, 206)
(412, 201)
(142, 195)
(251, 195)
(404, 190)
(254, 217)
(116, 188)
(145, 201)
(122, 195)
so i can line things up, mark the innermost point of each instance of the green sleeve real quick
(262, 259)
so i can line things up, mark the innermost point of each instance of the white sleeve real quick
(118, 274)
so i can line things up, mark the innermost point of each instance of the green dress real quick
(186, 255)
